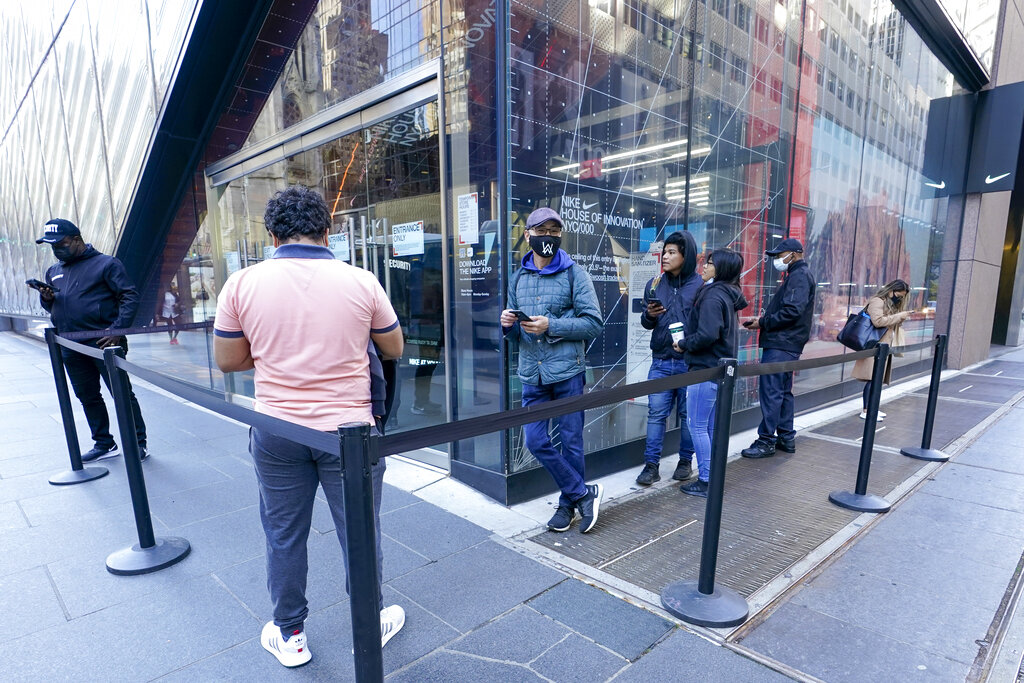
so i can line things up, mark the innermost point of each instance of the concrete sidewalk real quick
(478, 610)
(481, 606)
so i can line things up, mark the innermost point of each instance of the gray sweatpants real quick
(288, 475)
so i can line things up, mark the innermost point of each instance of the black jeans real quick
(85, 374)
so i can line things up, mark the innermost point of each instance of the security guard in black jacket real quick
(785, 328)
(90, 291)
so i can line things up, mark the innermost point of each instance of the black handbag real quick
(859, 333)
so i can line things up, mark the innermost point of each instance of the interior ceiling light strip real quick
(622, 155)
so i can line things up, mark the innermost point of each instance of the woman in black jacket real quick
(713, 334)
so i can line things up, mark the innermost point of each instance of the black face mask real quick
(545, 246)
(895, 301)
(63, 253)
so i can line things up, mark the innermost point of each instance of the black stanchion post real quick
(860, 500)
(77, 474)
(358, 455)
(701, 602)
(926, 452)
(150, 553)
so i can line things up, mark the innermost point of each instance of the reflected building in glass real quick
(434, 128)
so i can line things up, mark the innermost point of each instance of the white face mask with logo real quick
(780, 265)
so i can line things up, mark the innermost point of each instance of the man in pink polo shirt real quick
(304, 321)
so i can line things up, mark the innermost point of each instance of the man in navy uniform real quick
(90, 291)
(785, 328)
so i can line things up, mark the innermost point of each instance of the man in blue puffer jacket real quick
(552, 313)
(668, 299)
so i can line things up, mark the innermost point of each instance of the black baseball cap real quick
(788, 244)
(542, 215)
(57, 229)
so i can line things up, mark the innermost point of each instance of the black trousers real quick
(85, 374)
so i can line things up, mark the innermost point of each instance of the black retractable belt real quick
(78, 473)
(701, 602)
(150, 553)
(860, 500)
(926, 452)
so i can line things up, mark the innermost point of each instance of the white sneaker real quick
(392, 619)
(881, 414)
(292, 652)
(878, 418)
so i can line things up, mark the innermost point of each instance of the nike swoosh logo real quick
(937, 186)
(588, 207)
(989, 179)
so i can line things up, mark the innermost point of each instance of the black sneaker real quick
(143, 452)
(649, 474)
(683, 470)
(695, 488)
(786, 445)
(759, 449)
(589, 507)
(100, 453)
(562, 519)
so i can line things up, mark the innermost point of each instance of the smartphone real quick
(655, 300)
(523, 318)
(748, 323)
(39, 284)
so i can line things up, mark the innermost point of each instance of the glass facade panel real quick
(744, 127)
(75, 137)
(346, 48)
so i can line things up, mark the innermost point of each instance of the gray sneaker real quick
(589, 507)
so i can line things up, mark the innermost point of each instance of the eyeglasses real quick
(544, 232)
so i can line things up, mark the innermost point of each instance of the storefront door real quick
(383, 185)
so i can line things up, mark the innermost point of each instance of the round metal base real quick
(68, 477)
(136, 560)
(724, 608)
(865, 503)
(929, 454)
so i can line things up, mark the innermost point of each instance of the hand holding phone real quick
(520, 316)
(40, 285)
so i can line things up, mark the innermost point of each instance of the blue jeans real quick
(700, 411)
(288, 475)
(776, 394)
(566, 468)
(660, 405)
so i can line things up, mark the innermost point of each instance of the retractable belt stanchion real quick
(78, 473)
(359, 452)
(149, 554)
(926, 452)
(701, 602)
(860, 500)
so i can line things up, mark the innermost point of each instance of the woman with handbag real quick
(887, 310)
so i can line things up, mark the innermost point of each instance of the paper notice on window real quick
(469, 218)
(407, 239)
(338, 243)
(232, 262)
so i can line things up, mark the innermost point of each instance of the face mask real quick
(545, 246)
(63, 253)
(895, 301)
(780, 265)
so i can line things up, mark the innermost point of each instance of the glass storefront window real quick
(345, 49)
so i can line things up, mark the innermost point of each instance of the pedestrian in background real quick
(784, 328)
(713, 335)
(171, 312)
(90, 291)
(304, 321)
(887, 309)
(552, 313)
(668, 299)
